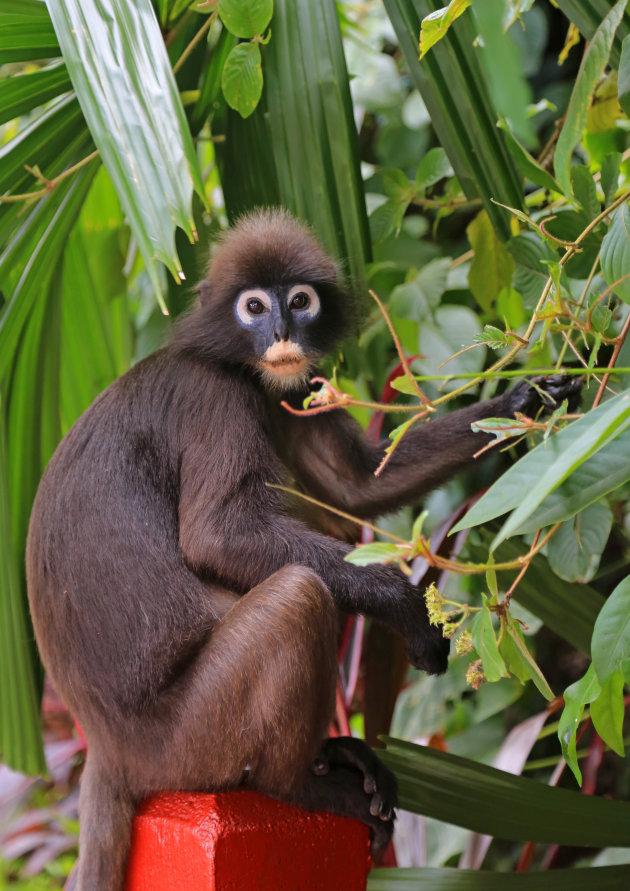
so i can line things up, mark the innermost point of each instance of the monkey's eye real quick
(300, 301)
(304, 299)
(251, 303)
(255, 307)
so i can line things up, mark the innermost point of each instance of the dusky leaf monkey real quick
(184, 610)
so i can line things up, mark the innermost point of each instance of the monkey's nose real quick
(281, 333)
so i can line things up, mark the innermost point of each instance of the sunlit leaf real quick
(436, 24)
(246, 18)
(492, 265)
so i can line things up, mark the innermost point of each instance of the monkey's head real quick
(272, 300)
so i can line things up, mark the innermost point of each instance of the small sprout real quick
(464, 643)
(475, 676)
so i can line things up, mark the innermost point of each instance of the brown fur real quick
(182, 608)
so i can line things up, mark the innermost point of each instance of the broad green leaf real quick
(548, 465)
(434, 166)
(602, 878)
(510, 307)
(608, 710)
(395, 184)
(436, 24)
(26, 32)
(516, 664)
(417, 298)
(118, 64)
(246, 18)
(485, 643)
(623, 82)
(526, 163)
(578, 695)
(492, 266)
(593, 63)
(610, 646)
(377, 552)
(311, 162)
(19, 95)
(504, 66)
(493, 802)
(576, 547)
(615, 255)
(20, 738)
(242, 79)
(455, 90)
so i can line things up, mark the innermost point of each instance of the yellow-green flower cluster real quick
(464, 643)
(475, 676)
(435, 606)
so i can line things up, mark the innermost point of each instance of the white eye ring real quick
(245, 316)
(314, 306)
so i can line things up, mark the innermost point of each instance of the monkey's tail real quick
(106, 812)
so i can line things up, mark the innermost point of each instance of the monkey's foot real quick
(379, 783)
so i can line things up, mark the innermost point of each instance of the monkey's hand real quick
(401, 605)
(547, 391)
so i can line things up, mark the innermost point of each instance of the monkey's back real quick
(114, 607)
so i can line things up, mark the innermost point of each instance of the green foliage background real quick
(481, 191)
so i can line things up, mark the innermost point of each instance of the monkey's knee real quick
(300, 591)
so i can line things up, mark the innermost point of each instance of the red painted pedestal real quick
(242, 841)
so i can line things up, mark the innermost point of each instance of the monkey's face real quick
(281, 323)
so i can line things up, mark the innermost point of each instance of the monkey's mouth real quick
(285, 359)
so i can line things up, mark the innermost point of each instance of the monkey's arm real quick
(234, 529)
(336, 464)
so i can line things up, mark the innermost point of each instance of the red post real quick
(242, 841)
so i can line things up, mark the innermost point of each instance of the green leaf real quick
(576, 697)
(504, 66)
(603, 878)
(608, 710)
(242, 79)
(387, 218)
(576, 548)
(516, 664)
(492, 266)
(377, 552)
(585, 191)
(20, 739)
(26, 32)
(455, 90)
(602, 473)
(19, 95)
(623, 82)
(485, 643)
(610, 176)
(591, 68)
(434, 166)
(610, 646)
(436, 24)
(395, 184)
(527, 165)
(615, 255)
(246, 18)
(531, 257)
(516, 636)
(558, 457)
(305, 121)
(484, 799)
(118, 64)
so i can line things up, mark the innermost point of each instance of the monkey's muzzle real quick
(285, 359)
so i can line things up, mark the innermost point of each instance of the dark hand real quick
(549, 393)
(404, 609)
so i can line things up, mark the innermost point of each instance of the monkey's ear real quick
(203, 292)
